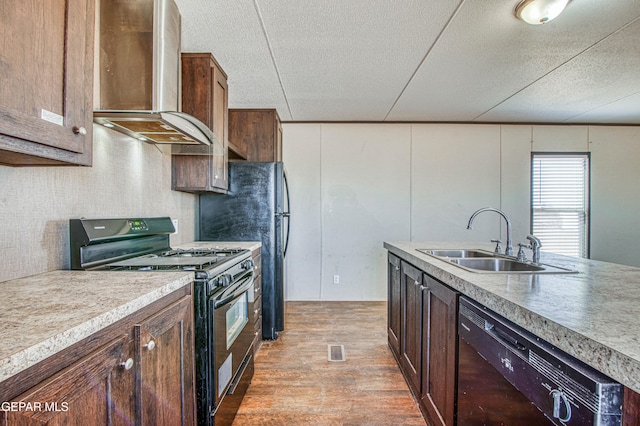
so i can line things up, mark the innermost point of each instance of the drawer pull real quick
(128, 364)
(150, 345)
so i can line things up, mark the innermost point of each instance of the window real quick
(560, 202)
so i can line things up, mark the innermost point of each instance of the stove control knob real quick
(224, 280)
(247, 264)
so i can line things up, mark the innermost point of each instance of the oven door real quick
(232, 332)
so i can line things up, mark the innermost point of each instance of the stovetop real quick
(187, 260)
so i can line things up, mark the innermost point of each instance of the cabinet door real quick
(98, 389)
(220, 125)
(411, 332)
(46, 81)
(165, 345)
(257, 132)
(204, 95)
(440, 313)
(394, 311)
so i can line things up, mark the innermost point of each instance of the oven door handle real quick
(225, 298)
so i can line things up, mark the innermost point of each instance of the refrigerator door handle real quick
(287, 212)
(286, 244)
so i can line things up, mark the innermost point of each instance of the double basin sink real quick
(482, 261)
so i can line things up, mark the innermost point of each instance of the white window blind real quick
(560, 202)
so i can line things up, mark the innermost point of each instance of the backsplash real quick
(128, 178)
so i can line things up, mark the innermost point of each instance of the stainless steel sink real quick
(497, 265)
(456, 253)
(482, 261)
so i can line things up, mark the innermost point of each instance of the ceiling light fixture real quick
(537, 12)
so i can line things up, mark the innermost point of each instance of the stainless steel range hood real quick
(140, 67)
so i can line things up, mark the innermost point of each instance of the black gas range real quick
(223, 298)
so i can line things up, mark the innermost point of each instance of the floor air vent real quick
(336, 352)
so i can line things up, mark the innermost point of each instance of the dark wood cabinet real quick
(256, 132)
(165, 351)
(394, 311)
(257, 302)
(98, 387)
(139, 370)
(46, 82)
(411, 327)
(205, 96)
(423, 313)
(630, 408)
(439, 350)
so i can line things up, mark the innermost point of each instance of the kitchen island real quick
(590, 314)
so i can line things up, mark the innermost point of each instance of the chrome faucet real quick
(535, 248)
(508, 249)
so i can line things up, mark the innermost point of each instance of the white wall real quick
(363, 203)
(128, 178)
(615, 190)
(357, 185)
(455, 171)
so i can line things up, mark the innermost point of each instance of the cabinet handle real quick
(416, 282)
(128, 364)
(255, 312)
(79, 130)
(255, 290)
(422, 288)
(255, 334)
(150, 345)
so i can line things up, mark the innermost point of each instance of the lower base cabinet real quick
(439, 350)
(428, 339)
(137, 371)
(257, 302)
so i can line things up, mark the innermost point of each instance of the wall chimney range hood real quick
(140, 67)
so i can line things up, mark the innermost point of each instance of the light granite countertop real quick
(592, 315)
(43, 314)
(250, 245)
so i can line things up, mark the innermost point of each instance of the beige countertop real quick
(592, 315)
(43, 314)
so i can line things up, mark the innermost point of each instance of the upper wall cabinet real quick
(257, 132)
(46, 82)
(205, 96)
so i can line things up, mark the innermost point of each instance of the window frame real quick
(587, 155)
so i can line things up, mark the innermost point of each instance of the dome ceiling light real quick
(538, 12)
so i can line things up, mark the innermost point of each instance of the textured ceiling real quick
(423, 60)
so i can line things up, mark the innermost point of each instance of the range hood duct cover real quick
(140, 67)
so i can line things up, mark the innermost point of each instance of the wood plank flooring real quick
(295, 384)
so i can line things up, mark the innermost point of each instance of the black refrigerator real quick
(255, 208)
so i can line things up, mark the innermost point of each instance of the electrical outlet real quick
(175, 225)
(336, 279)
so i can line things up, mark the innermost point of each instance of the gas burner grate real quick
(208, 252)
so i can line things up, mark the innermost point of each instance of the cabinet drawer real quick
(257, 286)
(257, 260)
(257, 326)
(257, 310)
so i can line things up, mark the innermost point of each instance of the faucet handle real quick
(498, 248)
(521, 256)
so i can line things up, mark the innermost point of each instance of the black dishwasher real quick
(508, 376)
